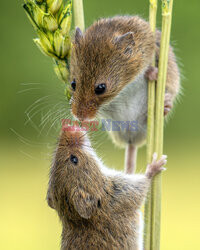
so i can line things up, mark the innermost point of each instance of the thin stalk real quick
(159, 119)
(79, 14)
(150, 130)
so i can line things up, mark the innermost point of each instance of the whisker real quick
(48, 114)
(28, 155)
(26, 141)
(38, 105)
(30, 83)
(32, 123)
(42, 129)
(38, 100)
(26, 90)
(56, 119)
(36, 112)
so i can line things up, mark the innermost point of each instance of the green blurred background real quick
(31, 96)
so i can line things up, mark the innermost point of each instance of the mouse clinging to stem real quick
(98, 207)
(110, 68)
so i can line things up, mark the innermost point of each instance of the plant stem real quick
(150, 130)
(159, 120)
(79, 14)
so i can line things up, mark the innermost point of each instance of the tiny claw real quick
(163, 158)
(162, 162)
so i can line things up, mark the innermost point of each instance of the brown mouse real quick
(110, 68)
(99, 208)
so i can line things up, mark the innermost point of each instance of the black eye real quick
(73, 84)
(99, 203)
(100, 89)
(74, 159)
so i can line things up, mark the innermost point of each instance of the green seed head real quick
(52, 21)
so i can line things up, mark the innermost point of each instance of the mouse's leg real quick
(130, 158)
(135, 187)
(173, 76)
(151, 75)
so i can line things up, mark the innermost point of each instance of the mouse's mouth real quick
(85, 116)
(85, 112)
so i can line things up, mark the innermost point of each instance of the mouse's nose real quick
(82, 114)
(85, 111)
(73, 137)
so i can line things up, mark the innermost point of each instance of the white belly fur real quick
(141, 231)
(129, 105)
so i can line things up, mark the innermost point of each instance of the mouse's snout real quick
(72, 137)
(85, 110)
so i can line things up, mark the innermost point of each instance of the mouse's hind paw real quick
(168, 103)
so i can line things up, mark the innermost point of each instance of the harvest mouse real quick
(98, 207)
(110, 69)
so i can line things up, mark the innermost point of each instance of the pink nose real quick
(85, 110)
(82, 116)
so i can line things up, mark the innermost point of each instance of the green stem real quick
(150, 131)
(159, 120)
(79, 14)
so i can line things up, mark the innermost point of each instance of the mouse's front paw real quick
(156, 166)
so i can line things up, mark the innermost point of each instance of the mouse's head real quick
(104, 61)
(76, 183)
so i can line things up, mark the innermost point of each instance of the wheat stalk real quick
(79, 14)
(159, 120)
(150, 130)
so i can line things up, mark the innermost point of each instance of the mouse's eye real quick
(74, 159)
(73, 84)
(100, 89)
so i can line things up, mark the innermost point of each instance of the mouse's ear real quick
(78, 35)
(84, 203)
(125, 41)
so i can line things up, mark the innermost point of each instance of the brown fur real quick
(97, 210)
(99, 57)
(103, 55)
